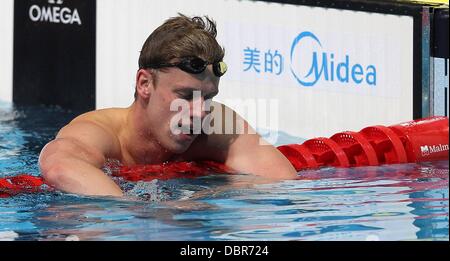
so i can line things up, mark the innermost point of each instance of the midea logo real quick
(54, 13)
(328, 69)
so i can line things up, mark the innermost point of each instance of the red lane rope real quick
(24, 183)
(414, 141)
(170, 170)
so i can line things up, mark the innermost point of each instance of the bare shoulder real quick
(98, 129)
(111, 119)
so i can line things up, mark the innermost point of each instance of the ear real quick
(144, 83)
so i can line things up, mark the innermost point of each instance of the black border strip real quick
(387, 7)
(445, 101)
(142, 250)
(417, 65)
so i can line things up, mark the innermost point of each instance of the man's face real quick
(174, 86)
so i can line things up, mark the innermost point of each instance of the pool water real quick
(395, 202)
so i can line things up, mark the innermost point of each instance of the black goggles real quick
(193, 65)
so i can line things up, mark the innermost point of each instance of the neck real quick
(140, 143)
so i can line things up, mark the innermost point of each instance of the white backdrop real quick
(6, 49)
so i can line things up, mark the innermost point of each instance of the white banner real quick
(332, 70)
(6, 49)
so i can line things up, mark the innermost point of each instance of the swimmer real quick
(181, 61)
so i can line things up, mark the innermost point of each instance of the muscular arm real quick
(247, 155)
(73, 160)
(244, 151)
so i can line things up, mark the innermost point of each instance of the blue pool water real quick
(396, 202)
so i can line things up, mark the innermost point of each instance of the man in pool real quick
(180, 61)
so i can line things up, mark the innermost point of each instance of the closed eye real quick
(186, 95)
(190, 95)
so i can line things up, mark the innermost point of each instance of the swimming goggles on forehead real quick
(193, 65)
